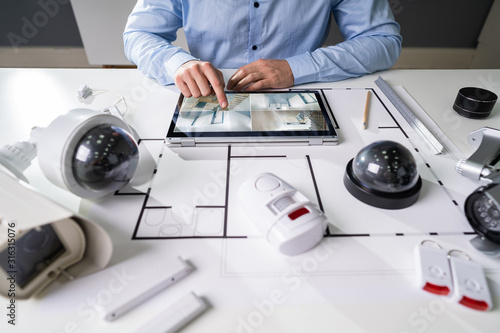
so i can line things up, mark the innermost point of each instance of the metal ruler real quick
(430, 140)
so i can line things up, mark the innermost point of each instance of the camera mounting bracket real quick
(480, 165)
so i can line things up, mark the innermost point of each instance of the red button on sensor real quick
(474, 304)
(298, 213)
(435, 289)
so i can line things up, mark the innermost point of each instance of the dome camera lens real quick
(384, 174)
(105, 159)
(385, 166)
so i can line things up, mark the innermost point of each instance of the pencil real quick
(365, 115)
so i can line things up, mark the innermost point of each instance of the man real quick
(273, 43)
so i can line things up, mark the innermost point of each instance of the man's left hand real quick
(262, 74)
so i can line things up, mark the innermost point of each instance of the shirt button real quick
(256, 4)
(254, 47)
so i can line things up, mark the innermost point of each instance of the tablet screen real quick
(296, 113)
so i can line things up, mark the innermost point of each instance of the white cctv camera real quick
(482, 207)
(88, 153)
(41, 242)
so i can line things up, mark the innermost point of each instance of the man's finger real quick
(197, 78)
(237, 77)
(184, 89)
(217, 83)
(262, 84)
(247, 81)
(193, 87)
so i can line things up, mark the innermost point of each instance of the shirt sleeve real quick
(372, 42)
(150, 30)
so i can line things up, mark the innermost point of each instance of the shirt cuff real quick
(176, 61)
(303, 68)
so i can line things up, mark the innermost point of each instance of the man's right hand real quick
(200, 78)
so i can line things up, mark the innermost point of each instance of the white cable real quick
(85, 91)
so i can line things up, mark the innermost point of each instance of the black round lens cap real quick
(475, 103)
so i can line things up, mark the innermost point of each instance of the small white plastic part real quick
(433, 270)
(470, 285)
(84, 91)
(288, 220)
(176, 315)
(17, 157)
(149, 287)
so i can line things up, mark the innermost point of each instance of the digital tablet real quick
(253, 117)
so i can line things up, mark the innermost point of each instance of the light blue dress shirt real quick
(233, 33)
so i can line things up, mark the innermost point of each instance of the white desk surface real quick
(356, 284)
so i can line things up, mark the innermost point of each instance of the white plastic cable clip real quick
(84, 91)
(17, 157)
(469, 282)
(433, 270)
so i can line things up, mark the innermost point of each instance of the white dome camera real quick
(88, 153)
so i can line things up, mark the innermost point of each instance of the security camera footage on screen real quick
(255, 112)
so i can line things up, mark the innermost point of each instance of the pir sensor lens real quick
(384, 175)
(105, 159)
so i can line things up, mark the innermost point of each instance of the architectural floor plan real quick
(192, 192)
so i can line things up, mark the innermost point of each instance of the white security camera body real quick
(84, 247)
(57, 147)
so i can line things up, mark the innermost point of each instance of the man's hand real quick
(261, 74)
(200, 78)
